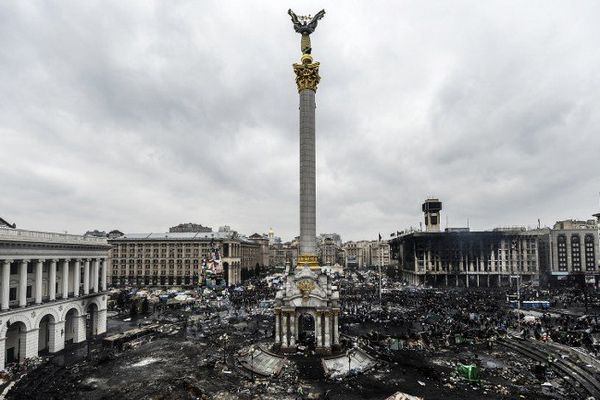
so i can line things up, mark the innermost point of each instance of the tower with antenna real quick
(431, 210)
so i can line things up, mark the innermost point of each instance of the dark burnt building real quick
(471, 259)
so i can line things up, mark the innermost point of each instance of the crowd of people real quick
(441, 317)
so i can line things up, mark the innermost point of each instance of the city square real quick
(463, 253)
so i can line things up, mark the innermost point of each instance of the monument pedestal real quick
(307, 304)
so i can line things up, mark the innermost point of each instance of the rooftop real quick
(181, 236)
(22, 235)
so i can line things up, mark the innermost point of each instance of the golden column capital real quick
(307, 74)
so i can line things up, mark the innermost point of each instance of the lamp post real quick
(252, 361)
(349, 361)
(224, 338)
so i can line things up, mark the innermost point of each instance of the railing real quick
(52, 237)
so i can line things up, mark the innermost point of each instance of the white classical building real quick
(307, 303)
(52, 291)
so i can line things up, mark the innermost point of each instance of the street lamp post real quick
(349, 362)
(252, 361)
(224, 338)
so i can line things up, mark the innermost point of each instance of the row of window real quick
(576, 261)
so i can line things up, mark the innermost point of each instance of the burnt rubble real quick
(429, 343)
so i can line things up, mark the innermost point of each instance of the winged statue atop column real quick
(305, 25)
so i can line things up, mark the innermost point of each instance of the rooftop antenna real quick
(467, 222)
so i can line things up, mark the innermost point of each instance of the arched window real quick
(576, 252)
(590, 253)
(561, 244)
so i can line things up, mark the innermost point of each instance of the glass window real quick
(561, 242)
(590, 253)
(575, 252)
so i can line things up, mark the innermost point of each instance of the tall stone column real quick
(39, 267)
(5, 285)
(307, 79)
(76, 278)
(65, 279)
(23, 283)
(86, 277)
(95, 275)
(52, 280)
(104, 272)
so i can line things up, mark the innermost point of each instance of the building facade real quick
(357, 254)
(574, 252)
(469, 259)
(263, 242)
(329, 252)
(52, 291)
(283, 254)
(176, 258)
(380, 254)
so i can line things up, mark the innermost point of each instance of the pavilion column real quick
(86, 277)
(292, 329)
(5, 287)
(277, 327)
(39, 267)
(336, 332)
(76, 278)
(2, 353)
(318, 331)
(284, 333)
(52, 280)
(23, 283)
(104, 272)
(95, 275)
(327, 338)
(65, 279)
(297, 327)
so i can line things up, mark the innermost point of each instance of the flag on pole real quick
(380, 236)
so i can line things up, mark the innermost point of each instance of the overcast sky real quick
(141, 115)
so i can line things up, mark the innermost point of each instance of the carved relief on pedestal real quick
(306, 286)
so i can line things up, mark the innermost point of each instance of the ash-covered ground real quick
(419, 337)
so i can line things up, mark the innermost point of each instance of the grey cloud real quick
(141, 115)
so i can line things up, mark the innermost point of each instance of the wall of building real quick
(573, 249)
(468, 258)
(42, 320)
